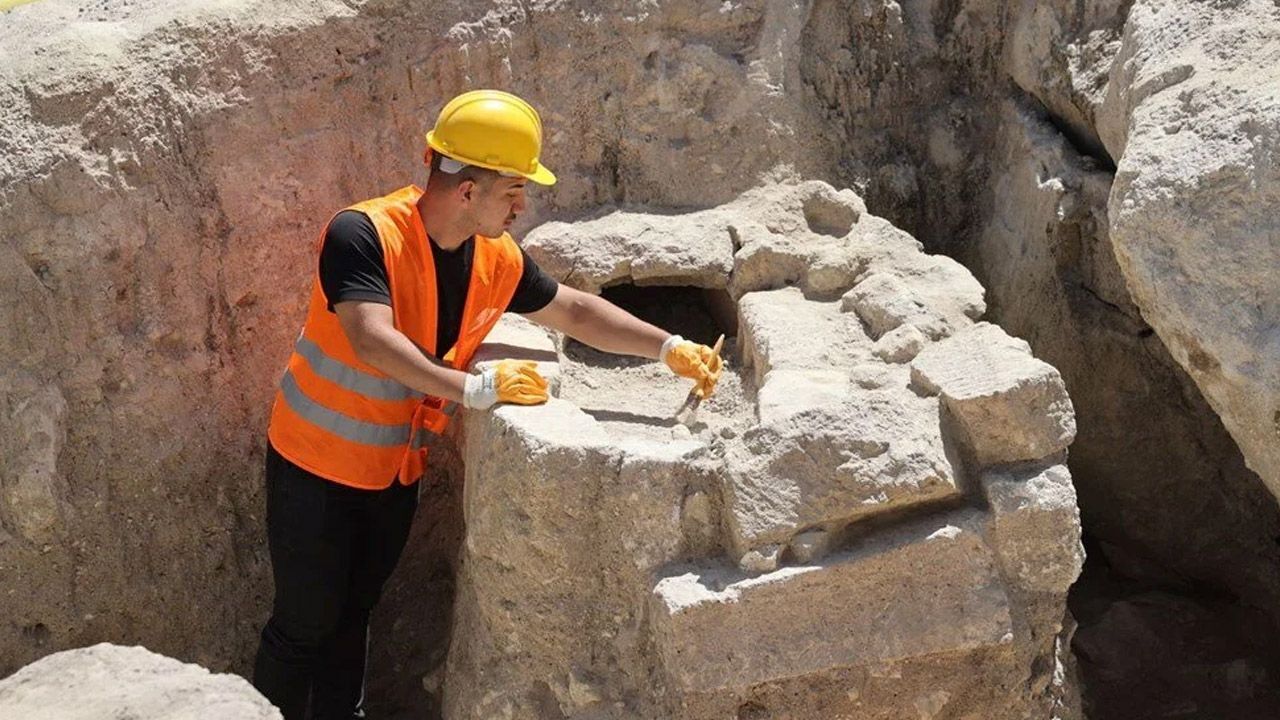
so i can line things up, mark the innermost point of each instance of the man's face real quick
(496, 204)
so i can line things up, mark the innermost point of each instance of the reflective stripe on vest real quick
(345, 427)
(356, 381)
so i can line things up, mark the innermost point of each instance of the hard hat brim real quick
(542, 176)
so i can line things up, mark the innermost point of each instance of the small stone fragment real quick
(761, 560)
(900, 344)
(810, 545)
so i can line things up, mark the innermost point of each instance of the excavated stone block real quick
(796, 235)
(918, 591)
(645, 249)
(786, 392)
(1035, 526)
(835, 464)
(1009, 405)
(110, 681)
(935, 294)
(783, 329)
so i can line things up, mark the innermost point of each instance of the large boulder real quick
(1190, 211)
(110, 681)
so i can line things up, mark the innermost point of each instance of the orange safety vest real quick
(344, 420)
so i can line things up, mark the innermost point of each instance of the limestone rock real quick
(836, 464)
(781, 329)
(937, 300)
(770, 506)
(110, 681)
(1150, 453)
(811, 545)
(638, 248)
(516, 338)
(900, 344)
(1009, 405)
(920, 591)
(1188, 211)
(1035, 526)
(1062, 53)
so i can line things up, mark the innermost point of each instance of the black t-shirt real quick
(352, 267)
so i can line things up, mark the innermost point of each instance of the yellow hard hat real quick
(492, 129)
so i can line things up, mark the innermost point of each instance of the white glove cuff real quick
(480, 392)
(667, 346)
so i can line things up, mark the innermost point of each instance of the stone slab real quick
(1009, 405)
(927, 589)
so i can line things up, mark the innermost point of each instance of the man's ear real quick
(466, 190)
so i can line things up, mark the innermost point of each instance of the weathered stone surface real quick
(643, 249)
(516, 338)
(937, 299)
(1150, 454)
(1061, 52)
(1035, 526)
(1009, 405)
(837, 434)
(874, 453)
(827, 449)
(781, 329)
(1189, 209)
(920, 591)
(565, 521)
(110, 681)
(900, 344)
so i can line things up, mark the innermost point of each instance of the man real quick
(407, 287)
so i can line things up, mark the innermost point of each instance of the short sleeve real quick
(536, 289)
(351, 261)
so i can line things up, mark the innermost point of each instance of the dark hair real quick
(474, 173)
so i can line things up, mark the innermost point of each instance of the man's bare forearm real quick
(390, 351)
(605, 326)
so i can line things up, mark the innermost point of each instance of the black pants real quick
(332, 549)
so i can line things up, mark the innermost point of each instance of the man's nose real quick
(519, 204)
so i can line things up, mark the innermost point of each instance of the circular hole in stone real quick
(828, 216)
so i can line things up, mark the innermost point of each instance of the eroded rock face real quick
(110, 681)
(1189, 209)
(847, 532)
(1148, 446)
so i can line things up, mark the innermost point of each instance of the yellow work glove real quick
(691, 360)
(510, 381)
